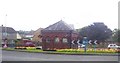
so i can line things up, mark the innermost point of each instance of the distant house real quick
(59, 36)
(25, 34)
(29, 36)
(18, 36)
(37, 37)
(21, 34)
(8, 33)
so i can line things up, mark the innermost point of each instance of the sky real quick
(33, 14)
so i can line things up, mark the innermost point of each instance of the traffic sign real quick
(78, 41)
(95, 42)
(90, 41)
(73, 41)
(85, 42)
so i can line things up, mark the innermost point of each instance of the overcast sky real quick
(33, 14)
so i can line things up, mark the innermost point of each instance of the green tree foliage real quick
(116, 35)
(96, 31)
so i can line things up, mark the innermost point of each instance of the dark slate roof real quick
(7, 29)
(60, 25)
(26, 32)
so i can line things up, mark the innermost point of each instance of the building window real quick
(64, 40)
(48, 39)
(5, 34)
(57, 39)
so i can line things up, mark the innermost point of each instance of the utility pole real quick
(1, 38)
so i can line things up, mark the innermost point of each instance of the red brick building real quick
(59, 36)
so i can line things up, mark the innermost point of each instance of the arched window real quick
(57, 39)
(48, 39)
(64, 40)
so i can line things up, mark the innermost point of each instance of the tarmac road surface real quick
(25, 56)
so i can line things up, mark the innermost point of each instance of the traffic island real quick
(64, 52)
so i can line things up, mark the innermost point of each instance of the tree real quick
(116, 35)
(96, 31)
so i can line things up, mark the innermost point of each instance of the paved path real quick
(24, 56)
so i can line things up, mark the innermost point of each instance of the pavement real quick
(25, 56)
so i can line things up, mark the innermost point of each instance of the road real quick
(24, 56)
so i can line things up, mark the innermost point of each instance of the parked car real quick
(38, 47)
(115, 46)
(29, 44)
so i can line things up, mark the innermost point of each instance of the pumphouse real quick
(59, 35)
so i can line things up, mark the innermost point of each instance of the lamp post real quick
(5, 40)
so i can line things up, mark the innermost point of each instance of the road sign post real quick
(95, 42)
(94, 47)
(85, 41)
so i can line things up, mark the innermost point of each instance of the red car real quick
(28, 43)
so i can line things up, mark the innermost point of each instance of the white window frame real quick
(56, 39)
(64, 40)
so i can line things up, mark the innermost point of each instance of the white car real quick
(113, 46)
(38, 47)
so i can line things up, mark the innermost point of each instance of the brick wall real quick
(60, 44)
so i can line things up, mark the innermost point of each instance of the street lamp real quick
(5, 40)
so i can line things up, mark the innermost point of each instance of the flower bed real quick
(30, 48)
(27, 48)
(98, 50)
(20, 47)
(90, 50)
